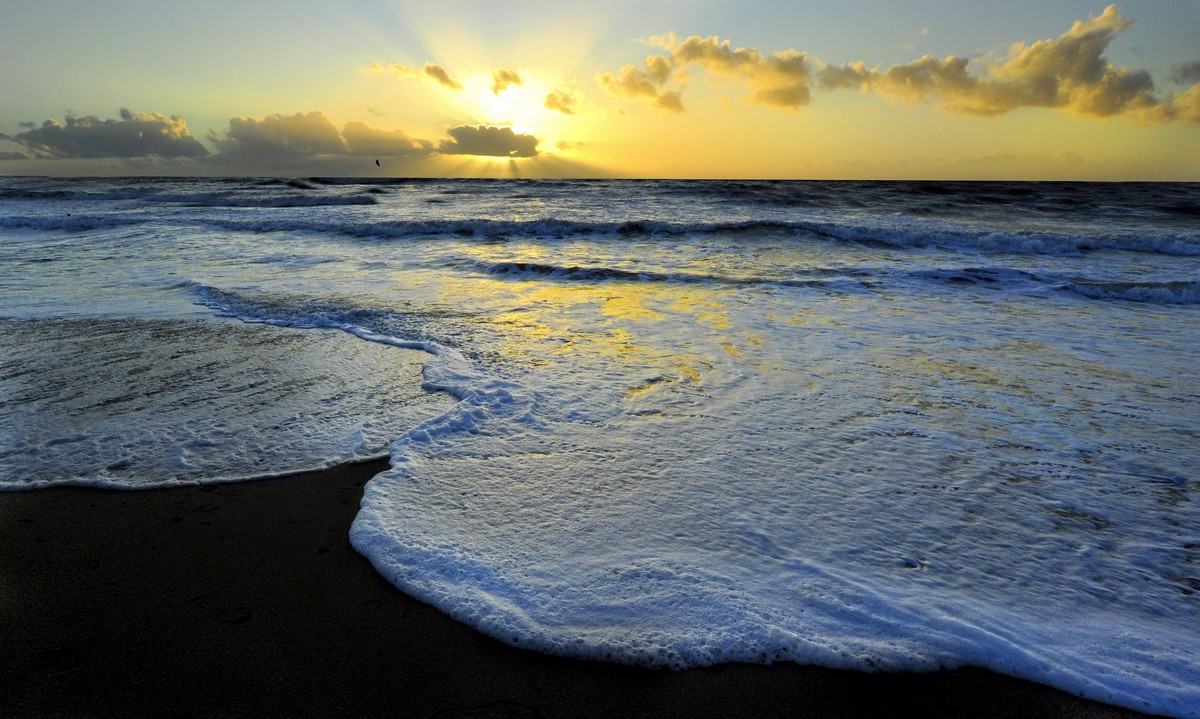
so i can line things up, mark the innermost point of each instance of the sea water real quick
(880, 426)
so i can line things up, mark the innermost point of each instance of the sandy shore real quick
(246, 600)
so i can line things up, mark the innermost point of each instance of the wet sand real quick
(246, 600)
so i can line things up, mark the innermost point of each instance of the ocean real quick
(869, 425)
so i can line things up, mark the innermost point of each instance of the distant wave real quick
(119, 193)
(1165, 293)
(978, 275)
(817, 278)
(903, 235)
(549, 228)
(224, 198)
(1174, 292)
(1045, 219)
(911, 234)
(267, 201)
(1179, 292)
(70, 223)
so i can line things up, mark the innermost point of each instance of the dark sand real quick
(246, 600)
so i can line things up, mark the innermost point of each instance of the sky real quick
(796, 89)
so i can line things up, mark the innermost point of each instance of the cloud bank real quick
(280, 136)
(310, 135)
(488, 141)
(143, 134)
(363, 140)
(1069, 73)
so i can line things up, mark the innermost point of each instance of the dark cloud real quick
(12, 156)
(502, 78)
(133, 135)
(1188, 72)
(311, 135)
(280, 136)
(363, 140)
(561, 101)
(488, 141)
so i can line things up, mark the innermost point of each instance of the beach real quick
(696, 428)
(247, 600)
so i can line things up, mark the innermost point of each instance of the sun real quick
(517, 101)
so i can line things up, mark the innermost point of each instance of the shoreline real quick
(247, 600)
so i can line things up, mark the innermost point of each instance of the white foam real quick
(830, 492)
(133, 404)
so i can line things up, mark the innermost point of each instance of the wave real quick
(70, 223)
(915, 234)
(238, 197)
(816, 278)
(899, 234)
(549, 228)
(1171, 292)
(1183, 292)
(268, 201)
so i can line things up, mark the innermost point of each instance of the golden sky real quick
(802, 89)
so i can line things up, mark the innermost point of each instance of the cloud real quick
(561, 101)
(634, 82)
(778, 80)
(1185, 106)
(488, 141)
(502, 78)
(1069, 73)
(1187, 72)
(440, 75)
(280, 136)
(142, 134)
(429, 70)
(310, 135)
(363, 140)
(669, 100)
(12, 156)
